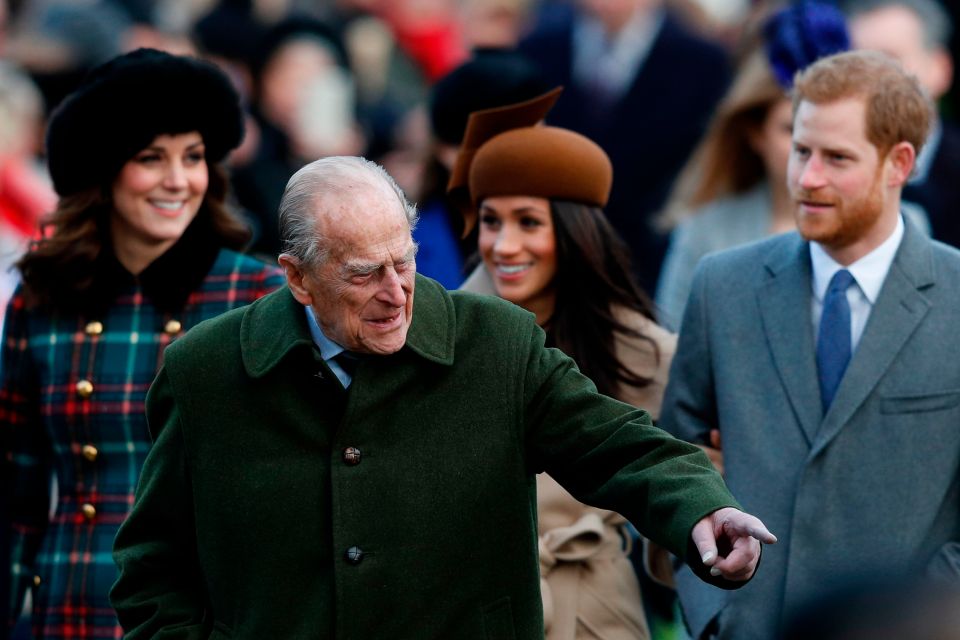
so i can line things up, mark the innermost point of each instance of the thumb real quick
(715, 438)
(705, 541)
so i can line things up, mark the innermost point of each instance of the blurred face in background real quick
(898, 32)
(519, 250)
(772, 140)
(156, 196)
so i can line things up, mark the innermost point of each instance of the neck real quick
(135, 256)
(873, 238)
(542, 307)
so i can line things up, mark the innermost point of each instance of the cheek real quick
(485, 241)
(132, 181)
(199, 179)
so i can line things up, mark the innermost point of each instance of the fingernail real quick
(708, 556)
(714, 571)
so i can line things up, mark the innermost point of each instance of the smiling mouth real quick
(168, 205)
(387, 322)
(512, 269)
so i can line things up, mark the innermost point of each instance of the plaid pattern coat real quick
(72, 404)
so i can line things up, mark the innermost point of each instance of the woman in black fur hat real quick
(139, 249)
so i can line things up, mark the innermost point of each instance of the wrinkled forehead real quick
(363, 222)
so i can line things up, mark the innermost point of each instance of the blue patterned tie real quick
(833, 343)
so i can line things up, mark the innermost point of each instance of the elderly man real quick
(827, 360)
(348, 461)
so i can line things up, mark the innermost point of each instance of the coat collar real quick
(784, 301)
(276, 326)
(167, 281)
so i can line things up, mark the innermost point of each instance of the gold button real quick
(94, 328)
(172, 327)
(90, 452)
(37, 580)
(89, 511)
(84, 388)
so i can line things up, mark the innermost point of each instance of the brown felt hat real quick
(506, 152)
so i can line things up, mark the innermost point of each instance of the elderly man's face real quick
(362, 295)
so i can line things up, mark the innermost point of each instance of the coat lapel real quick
(899, 309)
(784, 301)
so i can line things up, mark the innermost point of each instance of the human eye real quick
(530, 222)
(147, 157)
(196, 156)
(489, 220)
(801, 151)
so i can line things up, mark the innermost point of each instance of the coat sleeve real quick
(25, 464)
(609, 455)
(160, 592)
(689, 404)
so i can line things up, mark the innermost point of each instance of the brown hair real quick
(724, 162)
(61, 265)
(897, 109)
(593, 280)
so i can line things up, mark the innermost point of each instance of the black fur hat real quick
(125, 103)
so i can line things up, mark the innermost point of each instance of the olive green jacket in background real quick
(251, 522)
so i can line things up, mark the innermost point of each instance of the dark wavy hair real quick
(61, 265)
(593, 280)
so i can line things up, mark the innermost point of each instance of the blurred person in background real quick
(643, 86)
(25, 193)
(139, 249)
(537, 195)
(491, 78)
(917, 33)
(305, 108)
(734, 188)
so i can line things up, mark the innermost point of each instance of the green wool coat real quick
(252, 522)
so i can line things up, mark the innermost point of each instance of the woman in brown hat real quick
(139, 249)
(537, 192)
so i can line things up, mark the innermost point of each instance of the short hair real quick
(314, 184)
(897, 108)
(934, 20)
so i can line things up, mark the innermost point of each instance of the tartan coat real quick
(72, 404)
(275, 504)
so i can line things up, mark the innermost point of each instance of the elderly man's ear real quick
(291, 268)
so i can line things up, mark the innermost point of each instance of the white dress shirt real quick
(868, 272)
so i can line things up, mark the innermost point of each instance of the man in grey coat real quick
(828, 360)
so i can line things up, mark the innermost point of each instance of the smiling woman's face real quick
(158, 192)
(519, 250)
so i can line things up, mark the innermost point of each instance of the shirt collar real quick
(328, 348)
(628, 47)
(869, 271)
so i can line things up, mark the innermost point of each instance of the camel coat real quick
(587, 581)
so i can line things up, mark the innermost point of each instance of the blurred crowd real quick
(688, 99)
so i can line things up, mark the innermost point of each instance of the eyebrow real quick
(364, 268)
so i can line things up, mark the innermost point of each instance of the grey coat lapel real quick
(899, 309)
(784, 301)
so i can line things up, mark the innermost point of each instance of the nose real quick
(175, 176)
(391, 288)
(811, 174)
(507, 242)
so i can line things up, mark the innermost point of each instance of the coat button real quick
(90, 452)
(94, 328)
(84, 388)
(89, 511)
(354, 555)
(172, 327)
(351, 456)
(37, 580)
